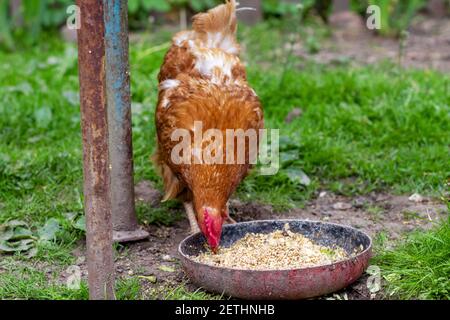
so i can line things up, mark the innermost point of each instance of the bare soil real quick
(426, 47)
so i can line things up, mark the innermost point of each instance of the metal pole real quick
(94, 124)
(124, 219)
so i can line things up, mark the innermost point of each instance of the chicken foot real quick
(191, 217)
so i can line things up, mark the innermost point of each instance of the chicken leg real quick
(191, 217)
(228, 218)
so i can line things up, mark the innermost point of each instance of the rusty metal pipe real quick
(125, 225)
(94, 125)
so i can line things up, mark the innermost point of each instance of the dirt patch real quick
(155, 260)
(373, 214)
(426, 47)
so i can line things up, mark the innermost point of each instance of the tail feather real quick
(219, 19)
(217, 27)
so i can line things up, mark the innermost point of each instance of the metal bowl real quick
(280, 284)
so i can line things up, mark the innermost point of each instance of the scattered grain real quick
(281, 249)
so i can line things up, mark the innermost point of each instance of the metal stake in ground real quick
(91, 54)
(125, 225)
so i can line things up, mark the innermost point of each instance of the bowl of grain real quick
(278, 259)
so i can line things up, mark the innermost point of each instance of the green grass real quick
(166, 214)
(419, 268)
(34, 285)
(22, 281)
(182, 293)
(371, 124)
(26, 282)
(362, 129)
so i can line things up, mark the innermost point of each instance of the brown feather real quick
(220, 19)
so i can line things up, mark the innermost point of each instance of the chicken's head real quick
(210, 221)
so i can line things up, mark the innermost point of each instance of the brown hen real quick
(202, 81)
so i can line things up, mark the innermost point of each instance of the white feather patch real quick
(169, 84)
(208, 61)
(165, 103)
(182, 37)
(218, 41)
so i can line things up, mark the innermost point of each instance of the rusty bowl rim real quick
(363, 253)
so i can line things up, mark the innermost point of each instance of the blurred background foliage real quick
(23, 21)
(396, 15)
